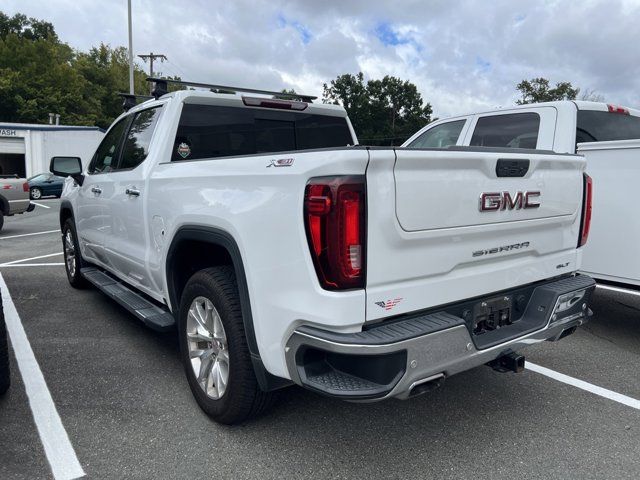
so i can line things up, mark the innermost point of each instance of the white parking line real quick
(29, 234)
(40, 205)
(31, 265)
(57, 446)
(6, 264)
(603, 392)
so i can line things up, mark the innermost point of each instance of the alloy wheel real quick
(70, 253)
(208, 347)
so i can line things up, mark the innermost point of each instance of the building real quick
(26, 149)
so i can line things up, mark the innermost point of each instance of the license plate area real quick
(492, 314)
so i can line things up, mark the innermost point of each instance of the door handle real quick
(132, 192)
(96, 190)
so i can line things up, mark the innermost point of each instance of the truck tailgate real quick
(443, 189)
(434, 238)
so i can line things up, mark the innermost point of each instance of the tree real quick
(591, 96)
(538, 90)
(383, 112)
(37, 74)
(106, 70)
(29, 28)
(40, 74)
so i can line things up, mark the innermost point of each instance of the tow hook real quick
(510, 362)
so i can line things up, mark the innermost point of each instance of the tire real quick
(1, 220)
(5, 379)
(241, 397)
(36, 193)
(73, 261)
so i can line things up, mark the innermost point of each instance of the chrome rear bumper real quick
(393, 358)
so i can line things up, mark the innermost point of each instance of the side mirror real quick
(67, 167)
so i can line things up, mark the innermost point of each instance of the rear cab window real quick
(604, 126)
(514, 130)
(211, 131)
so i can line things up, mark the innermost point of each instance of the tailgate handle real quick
(512, 167)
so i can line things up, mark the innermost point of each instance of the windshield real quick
(38, 178)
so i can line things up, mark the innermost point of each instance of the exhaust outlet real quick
(426, 385)
(511, 362)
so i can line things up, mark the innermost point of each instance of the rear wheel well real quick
(189, 257)
(195, 248)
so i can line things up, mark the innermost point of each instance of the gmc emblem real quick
(494, 201)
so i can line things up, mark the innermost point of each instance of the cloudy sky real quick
(462, 55)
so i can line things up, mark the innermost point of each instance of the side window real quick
(105, 157)
(440, 136)
(515, 130)
(136, 144)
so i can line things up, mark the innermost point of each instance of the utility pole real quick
(151, 57)
(130, 51)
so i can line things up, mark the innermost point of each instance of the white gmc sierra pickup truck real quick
(283, 253)
(608, 136)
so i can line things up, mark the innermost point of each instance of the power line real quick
(178, 68)
(152, 57)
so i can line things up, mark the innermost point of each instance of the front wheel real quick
(72, 258)
(36, 193)
(1, 220)
(214, 348)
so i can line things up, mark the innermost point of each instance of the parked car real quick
(45, 185)
(609, 138)
(5, 379)
(14, 197)
(284, 255)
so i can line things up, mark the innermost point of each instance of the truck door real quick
(126, 230)
(90, 217)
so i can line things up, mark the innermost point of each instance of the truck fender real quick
(223, 239)
(66, 211)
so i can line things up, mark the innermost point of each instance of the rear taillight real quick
(585, 225)
(25, 187)
(617, 109)
(334, 211)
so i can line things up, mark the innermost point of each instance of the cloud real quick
(463, 56)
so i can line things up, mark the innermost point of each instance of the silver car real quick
(14, 196)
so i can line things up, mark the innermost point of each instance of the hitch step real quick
(511, 362)
(149, 313)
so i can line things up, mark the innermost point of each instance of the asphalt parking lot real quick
(122, 398)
